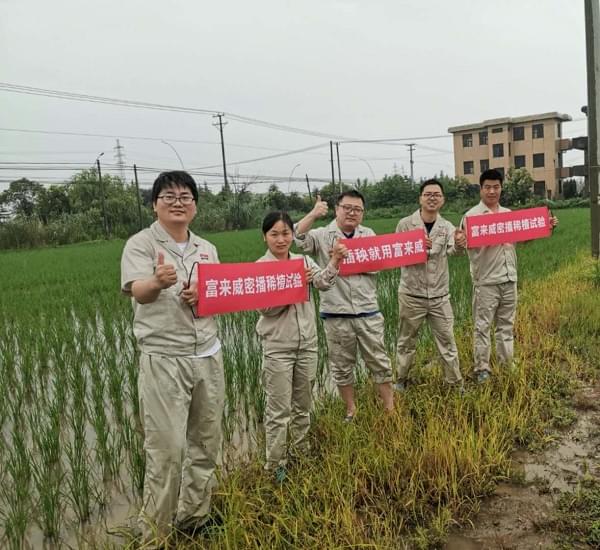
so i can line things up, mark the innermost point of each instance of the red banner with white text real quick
(507, 227)
(223, 288)
(384, 252)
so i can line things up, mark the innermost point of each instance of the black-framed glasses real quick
(170, 198)
(348, 208)
(433, 195)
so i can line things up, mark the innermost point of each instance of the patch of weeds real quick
(578, 515)
(517, 476)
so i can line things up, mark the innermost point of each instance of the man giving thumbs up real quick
(181, 384)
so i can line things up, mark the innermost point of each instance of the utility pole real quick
(331, 159)
(120, 156)
(220, 125)
(102, 197)
(137, 195)
(308, 186)
(592, 42)
(411, 148)
(235, 193)
(337, 152)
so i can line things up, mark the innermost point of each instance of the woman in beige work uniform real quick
(290, 353)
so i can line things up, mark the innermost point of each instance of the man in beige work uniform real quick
(349, 310)
(181, 380)
(424, 292)
(494, 275)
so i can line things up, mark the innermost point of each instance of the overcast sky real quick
(367, 69)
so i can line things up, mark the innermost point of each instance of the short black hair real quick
(277, 216)
(491, 174)
(175, 178)
(350, 193)
(431, 181)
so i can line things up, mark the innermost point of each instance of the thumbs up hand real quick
(320, 208)
(164, 274)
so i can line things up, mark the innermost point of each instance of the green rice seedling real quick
(79, 480)
(16, 488)
(115, 454)
(97, 414)
(47, 469)
(48, 481)
(136, 465)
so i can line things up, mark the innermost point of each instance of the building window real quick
(498, 150)
(467, 140)
(484, 165)
(519, 161)
(468, 167)
(518, 133)
(501, 170)
(539, 189)
(482, 138)
(538, 160)
(497, 130)
(537, 131)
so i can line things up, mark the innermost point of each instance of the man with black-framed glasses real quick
(349, 310)
(181, 379)
(424, 291)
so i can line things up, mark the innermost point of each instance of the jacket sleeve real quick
(451, 248)
(307, 242)
(323, 278)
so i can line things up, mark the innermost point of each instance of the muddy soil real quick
(516, 516)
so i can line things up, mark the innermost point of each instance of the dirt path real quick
(517, 515)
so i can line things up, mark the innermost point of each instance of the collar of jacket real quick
(333, 228)
(161, 235)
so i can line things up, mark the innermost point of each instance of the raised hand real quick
(165, 274)
(320, 208)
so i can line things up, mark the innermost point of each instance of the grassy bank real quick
(385, 482)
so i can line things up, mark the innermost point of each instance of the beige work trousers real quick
(181, 405)
(495, 304)
(438, 313)
(288, 378)
(345, 336)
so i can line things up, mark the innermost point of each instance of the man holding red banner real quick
(424, 292)
(349, 310)
(181, 379)
(494, 275)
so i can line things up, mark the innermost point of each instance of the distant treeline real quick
(33, 215)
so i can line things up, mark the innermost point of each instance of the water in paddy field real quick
(78, 382)
(515, 516)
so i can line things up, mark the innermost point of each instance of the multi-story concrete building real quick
(531, 142)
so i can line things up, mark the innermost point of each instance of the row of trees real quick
(82, 209)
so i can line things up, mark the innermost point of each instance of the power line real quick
(72, 96)
(268, 157)
(30, 90)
